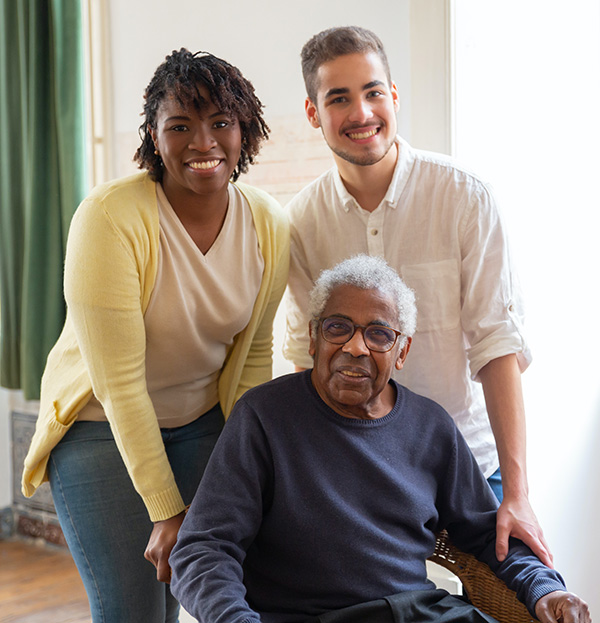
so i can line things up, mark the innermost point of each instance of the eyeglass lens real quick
(340, 330)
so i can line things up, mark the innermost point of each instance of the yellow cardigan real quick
(110, 271)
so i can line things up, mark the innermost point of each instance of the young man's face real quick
(356, 108)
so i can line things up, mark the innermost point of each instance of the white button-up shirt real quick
(439, 227)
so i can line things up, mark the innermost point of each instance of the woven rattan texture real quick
(485, 591)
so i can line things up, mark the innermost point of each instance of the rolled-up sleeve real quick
(492, 311)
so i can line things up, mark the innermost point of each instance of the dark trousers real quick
(431, 606)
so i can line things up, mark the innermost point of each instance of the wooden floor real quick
(40, 584)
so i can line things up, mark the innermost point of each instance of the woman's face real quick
(199, 149)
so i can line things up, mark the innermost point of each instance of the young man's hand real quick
(517, 519)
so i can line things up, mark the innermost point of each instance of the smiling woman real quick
(200, 146)
(172, 280)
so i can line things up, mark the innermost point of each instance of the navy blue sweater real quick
(309, 511)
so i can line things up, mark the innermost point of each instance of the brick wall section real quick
(294, 155)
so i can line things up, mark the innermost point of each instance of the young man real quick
(439, 227)
(325, 492)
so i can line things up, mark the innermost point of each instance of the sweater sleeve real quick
(105, 286)
(222, 522)
(469, 515)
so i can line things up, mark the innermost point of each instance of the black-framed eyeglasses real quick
(377, 337)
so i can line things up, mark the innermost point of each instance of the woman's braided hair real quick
(180, 76)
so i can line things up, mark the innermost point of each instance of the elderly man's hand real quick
(562, 607)
(517, 519)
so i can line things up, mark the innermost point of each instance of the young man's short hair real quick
(333, 42)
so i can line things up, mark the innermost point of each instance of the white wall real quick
(528, 97)
(263, 38)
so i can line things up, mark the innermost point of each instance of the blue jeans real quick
(495, 482)
(105, 522)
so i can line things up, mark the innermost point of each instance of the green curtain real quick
(42, 176)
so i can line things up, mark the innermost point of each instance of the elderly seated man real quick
(324, 494)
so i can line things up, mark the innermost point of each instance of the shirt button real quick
(511, 308)
(374, 232)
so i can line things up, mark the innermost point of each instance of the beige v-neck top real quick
(199, 303)
(111, 265)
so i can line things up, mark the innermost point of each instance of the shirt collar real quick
(404, 166)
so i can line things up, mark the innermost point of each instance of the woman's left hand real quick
(162, 541)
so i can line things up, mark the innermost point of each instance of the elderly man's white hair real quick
(367, 273)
